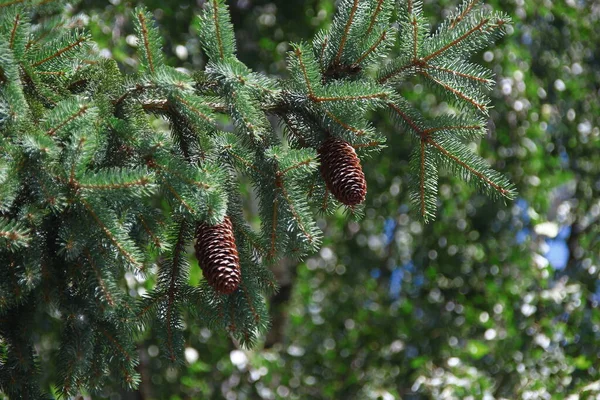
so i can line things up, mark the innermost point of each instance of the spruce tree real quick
(91, 189)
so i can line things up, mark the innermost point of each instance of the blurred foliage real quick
(490, 301)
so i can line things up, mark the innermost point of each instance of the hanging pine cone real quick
(218, 256)
(341, 170)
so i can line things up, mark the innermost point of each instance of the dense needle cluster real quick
(341, 170)
(83, 167)
(218, 256)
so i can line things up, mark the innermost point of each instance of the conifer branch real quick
(319, 99)
(38, 39)
(101, 282)
(115, 343)
(144, 30)
(218, 29)
(13, 235)
(245, 162)
(138, 88)
(232, 327)
(179, 198)
(255, 315)
(110, 236)
(325, 202)
(13, 31)
(44, 2)
(503, 191)
(152, 235)
(374, 17)
(344, 37)
(422, 143)
(359, 132)
(254, 243)
(156, 106)
(57, 73)
(396, 72)
(154, 301)
(195, 110)
(300, 164)
(323, 47)
(115, 186)
(294, 212)
(178, 254)
(274, 228)
(82, 110)
(295, 133)
(372, 48)
(461, 74)
(406, 118)
(456, 41)
(464, 13)
(84, 137)
(451, 128)
(60, 52)
(298, 54)
(364, 145)
(480, 106)
(199, 185)
(415, 40)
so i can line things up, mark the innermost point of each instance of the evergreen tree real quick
(92, 189)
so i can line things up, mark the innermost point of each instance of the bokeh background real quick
(491, 300)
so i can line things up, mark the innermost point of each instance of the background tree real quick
(470, 297)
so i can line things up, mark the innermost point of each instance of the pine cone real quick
(341, 170)
(218, 256)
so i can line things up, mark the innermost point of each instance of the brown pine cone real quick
(218, 256)
(341, 170)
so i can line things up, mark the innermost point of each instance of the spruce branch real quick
(471, 73)
(116, 236)
(15, 106)
(69, 116)
(472, 98)
(441, 136)
(471, 167)
(375, 16)
(106, 290)
(52, 131)
(148, 35)
(304, 69)
(176, 266)
(86, 165)
(58, 49)
(13, 235)
(216, 31)
(463, 10)
(136, 183)
(16, 22)
(344, 35)
(157, 241)
(371, 49)
(423, 183)
(196, 110)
